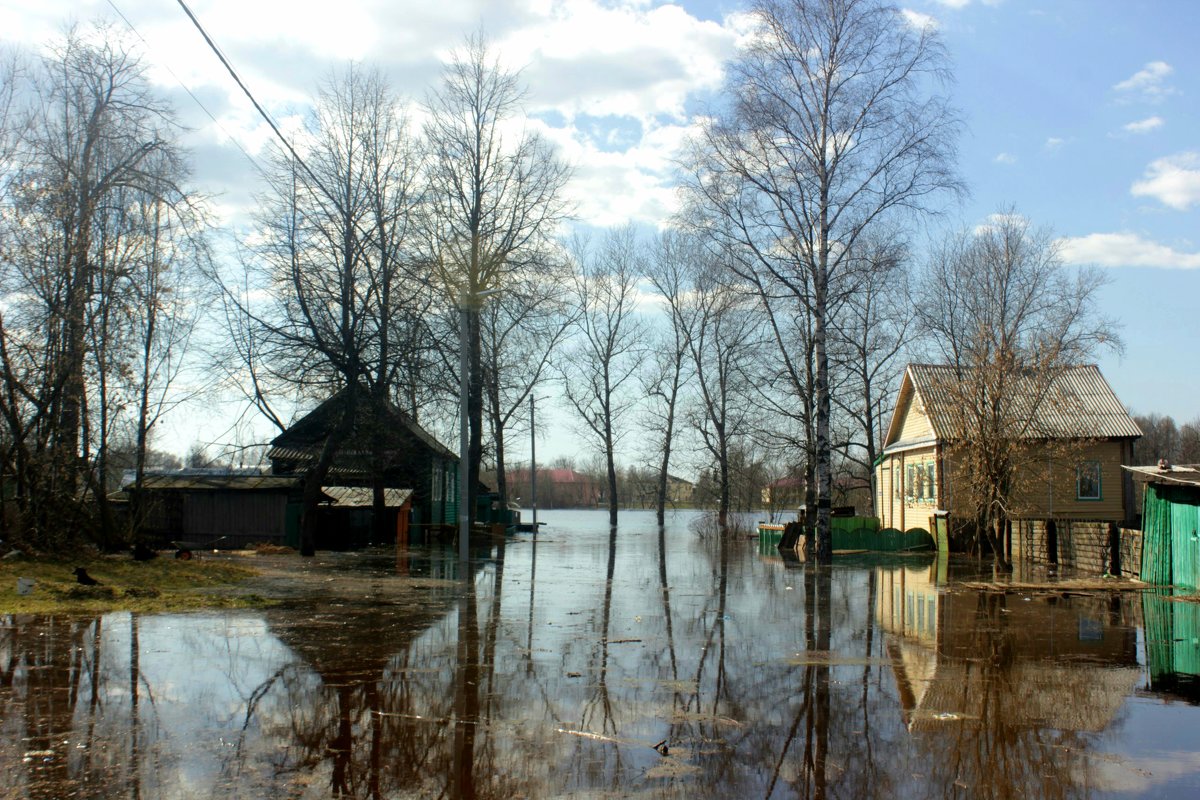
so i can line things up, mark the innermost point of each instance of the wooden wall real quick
(1082, 545)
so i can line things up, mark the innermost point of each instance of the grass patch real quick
(162, 584)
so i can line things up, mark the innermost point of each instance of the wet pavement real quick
(586, 664)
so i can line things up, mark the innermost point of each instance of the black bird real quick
(142, 552)
(85, 579)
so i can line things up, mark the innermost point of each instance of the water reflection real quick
(660, 662)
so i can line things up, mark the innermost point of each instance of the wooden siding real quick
(895, 509)
(1046, 481)
(241, 517)
(915, 424)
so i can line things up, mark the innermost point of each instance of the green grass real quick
(162, 584)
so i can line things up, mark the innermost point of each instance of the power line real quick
(187, 89)
(262, 112)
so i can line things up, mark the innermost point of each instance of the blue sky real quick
(1080, 114)
(1084, 116)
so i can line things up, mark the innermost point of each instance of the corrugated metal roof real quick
(218, 482)
(306, 455)
(1077, 403)
(1176, 474)
(364, 496)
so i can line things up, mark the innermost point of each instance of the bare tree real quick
(871, 334)
(338, 258)
(831, 130)
(669, 268)
(495, 198)
(607, 345)
(94, 145)
(724, 342)
(1006, 318)
(521, 331)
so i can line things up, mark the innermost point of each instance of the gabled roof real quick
(305, 436)
(1077, 403)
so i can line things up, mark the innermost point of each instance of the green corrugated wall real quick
(1171, 536)
(1172, 636)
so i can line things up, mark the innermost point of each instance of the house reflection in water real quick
(1014, 660)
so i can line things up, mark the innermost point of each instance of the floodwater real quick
(587, 665)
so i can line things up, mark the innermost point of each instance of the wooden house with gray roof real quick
(386, 446)
(1074, 435)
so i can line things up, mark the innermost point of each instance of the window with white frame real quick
(920, 482)
(1087, 481)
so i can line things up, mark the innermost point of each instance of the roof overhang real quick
(909, 444)
(1171, 475)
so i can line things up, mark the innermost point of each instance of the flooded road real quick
(585, 664)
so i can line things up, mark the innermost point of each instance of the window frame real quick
(1098, 476)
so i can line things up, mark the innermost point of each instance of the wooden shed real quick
(230, 510)
(346, 516)
(1170, 524)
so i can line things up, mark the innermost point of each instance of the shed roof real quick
(210, 482)
(364, 497)
(1076, 403)
(1171, 474)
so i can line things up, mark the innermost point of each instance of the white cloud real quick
(1173, 180)
(1144, 125)
(1054, 142)
(1148, 83)
(955, 3)
(918, 20)
(1124, 250)
(1005, 158)
(1000, 219)
(585, 57)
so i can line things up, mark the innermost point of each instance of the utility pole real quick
(533, 463)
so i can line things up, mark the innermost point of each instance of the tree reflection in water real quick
(755, 677)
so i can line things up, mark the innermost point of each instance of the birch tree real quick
(834, 125)
(600, 367)
(495, 199)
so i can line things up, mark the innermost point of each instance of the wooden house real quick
(1070, 452)
(383, 442)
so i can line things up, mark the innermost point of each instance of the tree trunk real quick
(474, 414)
(315, 478)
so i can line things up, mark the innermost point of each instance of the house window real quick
(920, 482)
(438, 477)
(897, 485)
(1087, 481)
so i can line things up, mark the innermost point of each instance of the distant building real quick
(556, 488)
(785, 493)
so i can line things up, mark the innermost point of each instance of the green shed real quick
(1170, 524)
